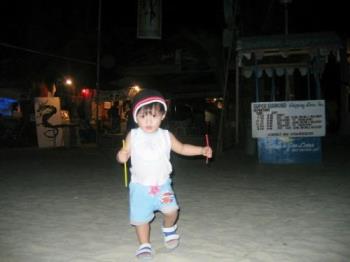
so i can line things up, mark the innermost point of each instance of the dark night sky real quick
(316, 16)
(18, 18)
(68, 17)
(49, 26)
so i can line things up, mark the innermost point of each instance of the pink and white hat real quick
(146, 97)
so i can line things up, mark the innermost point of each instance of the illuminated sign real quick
(288, 119)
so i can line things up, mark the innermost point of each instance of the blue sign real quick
(6, 106)
(292, 150)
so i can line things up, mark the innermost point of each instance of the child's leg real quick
(168, 206)
(170, 219)
(171, 238)
(143, 233)
(141, 213)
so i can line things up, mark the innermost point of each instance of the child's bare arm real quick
(189, 150)
(124, 153)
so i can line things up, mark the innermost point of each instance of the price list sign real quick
(288, 119)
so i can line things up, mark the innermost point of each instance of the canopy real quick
(283, 54)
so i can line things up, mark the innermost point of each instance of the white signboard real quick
(48, 121)
(288, 119)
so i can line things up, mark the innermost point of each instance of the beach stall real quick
(287, 108)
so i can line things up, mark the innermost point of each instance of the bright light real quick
(133, 90)
(85, 92)
(68, 81)
(136, 88)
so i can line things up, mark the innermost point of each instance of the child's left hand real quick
(207, 152)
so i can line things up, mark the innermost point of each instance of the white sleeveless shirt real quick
(150, 157)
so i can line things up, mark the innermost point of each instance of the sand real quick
(71, 205)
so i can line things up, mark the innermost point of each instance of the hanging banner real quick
(149, 19)
(48, 121)
(288, 119)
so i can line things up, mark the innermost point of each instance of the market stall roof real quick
(285, 53)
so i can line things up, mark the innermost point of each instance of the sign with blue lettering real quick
(297, 150)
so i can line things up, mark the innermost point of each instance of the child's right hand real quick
(123, 155)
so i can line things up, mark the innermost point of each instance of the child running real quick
(150, 188)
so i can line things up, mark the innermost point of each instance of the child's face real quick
(149, 119)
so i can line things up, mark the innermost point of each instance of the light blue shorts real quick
(145, 200)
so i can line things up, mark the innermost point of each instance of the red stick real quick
(207, 144)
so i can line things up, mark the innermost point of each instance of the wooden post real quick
(237, 102)
(219, 145)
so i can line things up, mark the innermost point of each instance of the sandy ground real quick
(71, 205)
